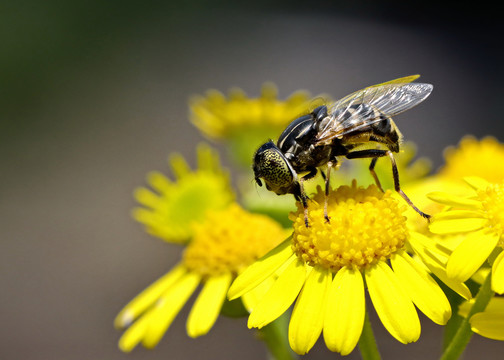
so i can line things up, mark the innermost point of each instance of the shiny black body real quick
(298, 143)
(303, 150)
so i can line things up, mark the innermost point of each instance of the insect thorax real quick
(297, 143)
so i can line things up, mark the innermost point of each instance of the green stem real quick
(464, 332)
(276, 339)
(367, 342)
(451, 327)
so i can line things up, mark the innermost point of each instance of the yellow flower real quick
(474, 158)
(219, 117)
(223, 244)
(246, 122)
(471, 157)
(481, 218)
(489, 323)
(326, 266)
(172, 207)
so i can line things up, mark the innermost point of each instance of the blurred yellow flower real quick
(169, 210)
(244, 122)
(481, 217)
(219, 117)
(223, 244)
(474, 157)
(325, 267)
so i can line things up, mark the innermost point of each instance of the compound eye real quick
(275, 171)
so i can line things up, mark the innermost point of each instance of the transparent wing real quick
(402, 80)
(364, 107)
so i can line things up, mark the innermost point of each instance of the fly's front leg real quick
(302, 196)
(304, 201)
(375, 154)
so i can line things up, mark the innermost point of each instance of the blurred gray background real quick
(93, 95)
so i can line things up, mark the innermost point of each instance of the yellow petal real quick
(345, 311)
(452, 226)
(495, 306)
(435, 259)
(457, 214)
(179, 166)
(489, 325)
(421, 288)
(280, 296)
(251, 299)
(481, 275)
(394, 307)
(261, 269)
(454, 201)
(471, 254)
(422, 244)
(168, 307)
(476, 182)
(146, 197)
(208, 305)
(146, 217)
(465, 307)
(498, 274)
(159, 182)
(147, 297)
(135, 333)
(308, 315)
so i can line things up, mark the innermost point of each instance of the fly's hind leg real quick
(395, 174)
(370, 153)
(375, 154)
(373, 173)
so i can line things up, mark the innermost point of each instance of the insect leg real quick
(304, 201)
(395, 174)
(327, 178)
(373, 153)
(373, 173)
(311, 174)
(300, 194)
(376, 153)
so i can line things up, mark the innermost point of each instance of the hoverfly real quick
(345, 128)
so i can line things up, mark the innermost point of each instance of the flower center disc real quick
(492, 199)
(230, 240)
(366, 226)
